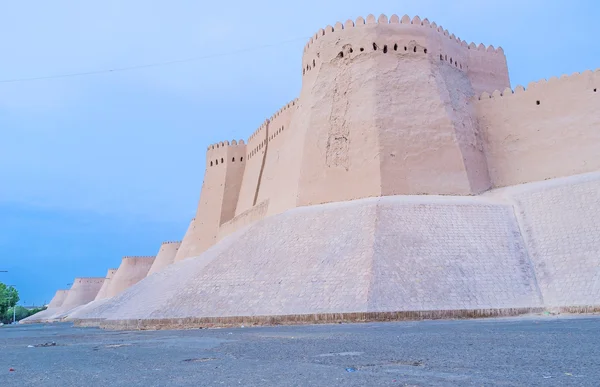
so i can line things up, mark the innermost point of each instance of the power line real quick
(149, 65)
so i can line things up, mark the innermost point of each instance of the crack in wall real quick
(262, 164)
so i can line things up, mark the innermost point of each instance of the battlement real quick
(405, 20)
(139, 257)
(224, 152)
(87, 280)
(563, 80)
(311, 58)
(170, 242)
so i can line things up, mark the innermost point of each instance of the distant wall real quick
(58, 299)
(82, 291)
(165, 257)
(103, 292)
(549, 130)
(131, 271)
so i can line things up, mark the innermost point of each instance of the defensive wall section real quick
(407, 180)
(53, 307)
(58, 299)
(165, 257)
(513, 250)
(130, 271)
(551, 129)
(398, 106)
(103, 292)
(82, 291)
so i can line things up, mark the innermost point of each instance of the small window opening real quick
(351, 50)
(241, 158)
(461, 66)
(341, 54)
(374, 46)
(211, 163)
(455, 64)
(217, 162)
(415, 49)
(233, 159)
(537, 102)
(314, 63)
(385, 49)
(303, 71)
(441, 57)
(405, 48)
(595, 90)
(425, 51)
(221, 160)
(450, 60)
(396, 47)
(362, 49)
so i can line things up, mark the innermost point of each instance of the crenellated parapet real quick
(223, 152)
(138, 257)
(485, 65)
(170, 242)
(544, 131)
(88, 280)
(395, 19)
(592, 84)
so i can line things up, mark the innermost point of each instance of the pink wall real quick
(526, 142)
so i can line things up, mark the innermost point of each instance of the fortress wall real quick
(340, 159)
(236, 164)
(526, 141)
(186, 241)
(58, 299)
(487, 68)
(377, 254)
(225, 165)
(428, 142)
(560, 220)
(82, 291)
(277, 138)
(356, 145)
(165, 257)
(244, 219)
(449, 254)
(131, 271)
(103, 292)
(254, 156)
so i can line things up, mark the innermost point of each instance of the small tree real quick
(9, 297)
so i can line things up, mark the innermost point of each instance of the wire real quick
(148, 65)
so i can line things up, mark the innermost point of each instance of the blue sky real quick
(96, 167)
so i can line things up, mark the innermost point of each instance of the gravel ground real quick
(534, 351)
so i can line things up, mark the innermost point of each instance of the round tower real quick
(386, 110)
